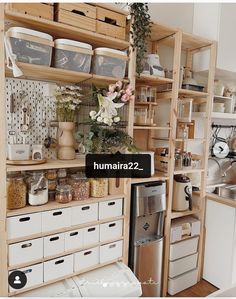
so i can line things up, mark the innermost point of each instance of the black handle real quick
(26, 245)
(88, 252)
(158, 183)
(85, 208)
(59, 262)
(54, 239)
(112, 246)
(112, 224)
(111, 203)
(24, 219)
(57, 213)
(91, 229)
(74, 234)
(189, 197)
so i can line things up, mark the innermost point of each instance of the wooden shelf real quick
(223, 115)
(50, 164)
(188, 170)
(190, 140)
(184, 213)
(152, 80)
(191, 41)
(53, 205)
(192, 93)
(59, 30)
(158, 176)
(146, 104)
(150, 128)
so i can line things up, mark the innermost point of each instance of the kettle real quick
(182, 193)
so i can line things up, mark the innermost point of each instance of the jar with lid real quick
(37, 188)
(80, 186)
(99, 187)
(64, 194)
(62, 173)
(16, 191)
(51, 174)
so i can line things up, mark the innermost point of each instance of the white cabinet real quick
(220, 245)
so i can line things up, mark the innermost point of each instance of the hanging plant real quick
(140, 31)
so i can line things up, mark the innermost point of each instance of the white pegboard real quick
(39, 98)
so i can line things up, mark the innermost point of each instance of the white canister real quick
(37, 188)
(152, 154)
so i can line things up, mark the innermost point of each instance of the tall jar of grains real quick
(16, 191)
(80, 186)
(99, 187)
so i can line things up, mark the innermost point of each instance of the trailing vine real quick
(140, 31)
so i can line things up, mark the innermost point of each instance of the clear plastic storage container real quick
(30, 46)
(109, 62)
(72, 55)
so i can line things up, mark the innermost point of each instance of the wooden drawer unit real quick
(41, 10)
(76, 14)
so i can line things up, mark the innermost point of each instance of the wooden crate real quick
(41, 10)
(76, 14)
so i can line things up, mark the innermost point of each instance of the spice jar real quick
(52, 185)
(51, 195)
(16, 191)
(64, 194)
(51, 174)
(99, 187)
(37, 188)
(80, 186)
(62, 173)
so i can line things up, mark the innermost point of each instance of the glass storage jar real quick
(51, 174)
(62, 173)
(80, 186)
(64, 194)
(37, 188)
(52, 185)
(99, 187)
(16, 191)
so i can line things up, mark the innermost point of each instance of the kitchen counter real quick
(222, 200)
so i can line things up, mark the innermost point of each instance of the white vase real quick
(66, 142)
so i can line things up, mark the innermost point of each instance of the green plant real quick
(140, 31)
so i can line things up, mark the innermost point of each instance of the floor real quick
(201, 289)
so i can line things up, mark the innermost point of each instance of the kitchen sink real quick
(226, 190)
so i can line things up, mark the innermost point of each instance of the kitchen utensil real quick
(221, 150)
(44, 119)
(182, 193)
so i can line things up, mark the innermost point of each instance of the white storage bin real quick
(58, 268)
(24, 225)
(110, 252)
(111, 230)
(91, 235)
(18, 152)
(86, 259)
(110, 208)
(182, 282)
(54, 245)
(34, 276)
(30, 46)
(185, 226)
(183, 248)
(25, 252)
(56, 219)
(72, 55)
(109, 62)
(182, 265)
(74, 239)
(84, 214)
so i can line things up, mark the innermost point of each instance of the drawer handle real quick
(53, 239)
(86, 208)
(26, 245)
(112, 246)
(24, 219)
(91, 229)
(74, 234)
(57, 213)
(88, 252)
(59, 262)
(111, 203)
(112, 225)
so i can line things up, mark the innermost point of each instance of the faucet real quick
(229, 167)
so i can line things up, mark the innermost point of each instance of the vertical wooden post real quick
(3, 206)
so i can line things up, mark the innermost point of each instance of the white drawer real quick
(110, 208)
(183, 248)
(86, 259)
(24, 225)
(74, 239)
(91, 235)
(54, 244)
(25, 252)
(56, 219)
(182, 265)
(182, 282)
(111, 230)
(34, 276)
(111, 251)
(58, 267)
(84, 214)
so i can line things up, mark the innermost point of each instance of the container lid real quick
(181, 178)
(30, 32)
(69, 42)
(110, 50)
(64, 188)
(78, 176)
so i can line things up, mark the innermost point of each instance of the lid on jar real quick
(62, 172)
(78, 176)
(64, 188)
(15, 175)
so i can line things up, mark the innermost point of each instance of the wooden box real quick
(41, 10)
(76, 14)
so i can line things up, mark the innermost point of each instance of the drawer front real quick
(34, 276)
(183, 265)
(85, 214)
(183, 248)
(111, 230)
(111, 251)
(182, 282)
(56, 219)
(25, 252)
(91, 235)
(54, 244)
(74, 239)
(111, 208)
(24, 225)
(86, 259)
(58, 268)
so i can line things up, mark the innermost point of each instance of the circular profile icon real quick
(17, 280)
